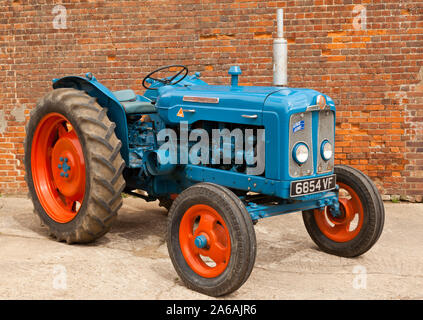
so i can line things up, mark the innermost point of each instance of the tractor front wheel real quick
(73, 166)
(211, 239)
(360, 221)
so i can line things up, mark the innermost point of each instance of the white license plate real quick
(310, 186)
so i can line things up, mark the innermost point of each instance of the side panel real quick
(274, 161)
(195, 112)
(106, 99)
(236, 104)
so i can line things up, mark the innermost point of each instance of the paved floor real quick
(131, 261)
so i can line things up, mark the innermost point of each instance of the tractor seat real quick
(131, 104)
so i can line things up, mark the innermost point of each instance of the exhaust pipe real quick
(280, 54)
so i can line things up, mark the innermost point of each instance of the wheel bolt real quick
(62, 174)
(200, 241)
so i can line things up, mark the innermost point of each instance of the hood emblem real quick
(320, 104)
(298, 126)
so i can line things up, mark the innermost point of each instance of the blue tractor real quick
(218, 158)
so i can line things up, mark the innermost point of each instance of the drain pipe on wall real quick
(280, 54)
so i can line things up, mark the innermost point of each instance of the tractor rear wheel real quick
(211, 239)
(360, 222)
(73, 166)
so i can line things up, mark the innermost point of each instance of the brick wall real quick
(372, 68)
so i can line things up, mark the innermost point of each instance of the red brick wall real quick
(375, 75)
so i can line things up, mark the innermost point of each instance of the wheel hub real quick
(66, 167)
(338, 227)
(343, 215)
(209, 239)
(200, 241)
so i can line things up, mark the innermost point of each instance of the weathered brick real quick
(375, 76)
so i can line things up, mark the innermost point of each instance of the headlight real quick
(300, 153)
(326, 150)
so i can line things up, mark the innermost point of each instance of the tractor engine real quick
(224, 146)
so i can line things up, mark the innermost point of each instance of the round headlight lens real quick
(327, 150)
(300, 153)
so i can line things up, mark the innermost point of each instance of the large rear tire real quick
(73, 166)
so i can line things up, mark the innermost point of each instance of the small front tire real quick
(360, 223)
(211, 239)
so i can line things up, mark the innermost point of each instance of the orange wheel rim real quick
(203, 222)
(58, 167)
(340, 228)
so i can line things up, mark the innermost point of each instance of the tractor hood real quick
(240, 104)
(237, 96)
(293, 100)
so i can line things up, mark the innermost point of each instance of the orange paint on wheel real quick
(58, 167)
(212, 226)
(338, 228)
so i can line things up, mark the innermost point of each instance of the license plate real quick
(310, 186)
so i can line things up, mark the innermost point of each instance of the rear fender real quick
(106, 99)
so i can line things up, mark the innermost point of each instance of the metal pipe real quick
(279, 19)
(280, 54)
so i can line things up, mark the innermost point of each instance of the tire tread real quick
(103, 151)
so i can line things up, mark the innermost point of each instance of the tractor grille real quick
(301, 130)
(326, 132)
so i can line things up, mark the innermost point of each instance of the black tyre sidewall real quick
(378, 199)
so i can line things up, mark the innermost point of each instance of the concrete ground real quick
(131, 261)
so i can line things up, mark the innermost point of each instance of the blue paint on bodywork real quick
(233, 102)
(277, 110)
(106, 99)
(115, 110)
(264, 211)
(193, 100)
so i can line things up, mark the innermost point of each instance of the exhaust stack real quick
(280, 54)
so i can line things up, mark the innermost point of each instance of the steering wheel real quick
(166, 81)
